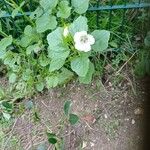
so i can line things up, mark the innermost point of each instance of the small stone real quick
(84, 144)
(133, 121)
(109, 83)
(92, 144)
(105, 116)
(138, 111)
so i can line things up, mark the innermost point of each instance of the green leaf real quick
(30, 36)
(81, 6)
(88, 78)
(80, 24)
(52, 81)
(80, 65)
(48, 4)
(64, 10)
(73, 119)
(101, 38)
(67, 107)
(12, 78)
(59, 52)
(52, 138)
(65, 76)
(31, 48)
(28, 30)
(7, 106)
(56, 64)
(5, 42)
(46, 22)
(40, 86)
(43, 60)
(27, 74)
(37, 13)
(55, 38)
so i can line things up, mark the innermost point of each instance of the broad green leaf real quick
(80, 65)
(87, 79)
(56, 64)
(33, 48)
(30, 36)
(65, 76)
(5, 42)
(52, 81)
(64, 10)
(28, 30)
(40, 86)
(46, 22)
(37, 13)
(101, 38)
(80, 24)
(73, 119)
(25, 41)
(12, 78)
(48, 4)
(55, 38)
(81, 6)
(43, 60)
(67, 107)
(59, 52)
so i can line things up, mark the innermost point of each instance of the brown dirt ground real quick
(111, 118)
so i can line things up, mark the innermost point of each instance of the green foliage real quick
(43, 55)
(64, 10)
(73, 119)
(102, 38)
(80, 6)
(67, 106)
(68, 117)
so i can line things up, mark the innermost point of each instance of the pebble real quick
(133, 121)
(84, 144)
(105, 116)
(92, 144)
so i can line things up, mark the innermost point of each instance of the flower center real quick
(83, 39)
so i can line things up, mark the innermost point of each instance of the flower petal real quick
(91, 39)
(83, 47)
(78, 35)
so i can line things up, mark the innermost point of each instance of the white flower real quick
(66, 32)
(83, 41)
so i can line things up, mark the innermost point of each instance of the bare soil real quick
(111, 118)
